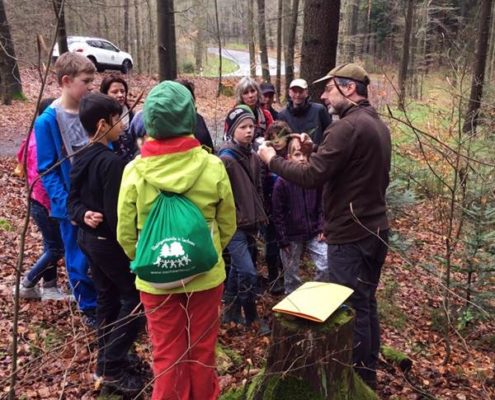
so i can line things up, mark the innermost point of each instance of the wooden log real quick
(310, 360)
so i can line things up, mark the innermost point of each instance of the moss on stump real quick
(310, 360)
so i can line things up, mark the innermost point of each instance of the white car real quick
(103, 54)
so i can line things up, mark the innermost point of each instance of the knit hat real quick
(350, 71)
(234, 119)
(169, 111)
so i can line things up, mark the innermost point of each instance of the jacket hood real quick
(169, 111)
(84, 159)
(172, 165)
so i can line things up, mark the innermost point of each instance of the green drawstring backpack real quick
(175, 244)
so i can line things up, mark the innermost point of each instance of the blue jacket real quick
(50, 149)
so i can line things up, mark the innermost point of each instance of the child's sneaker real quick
(28, 292)
(54, 293)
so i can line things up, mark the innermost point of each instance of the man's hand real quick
(321, 237)
(307, 145)
(266, 153)
(93, 218)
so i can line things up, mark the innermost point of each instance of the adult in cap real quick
(302, 114)
(268, 97)
(352, 164)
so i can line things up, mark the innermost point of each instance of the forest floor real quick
(57, 352)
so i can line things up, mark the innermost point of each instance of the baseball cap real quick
(267, 87)
(299, 83)
(348, 71)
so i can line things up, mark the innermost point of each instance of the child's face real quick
(244, 132)
(79, 85)
(278, 143)
(117, 91)
(116, 130)
(297, 155)
(250, 97)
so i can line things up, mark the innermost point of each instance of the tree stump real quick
(310, 361)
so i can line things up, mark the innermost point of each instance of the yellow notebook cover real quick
(315, 301)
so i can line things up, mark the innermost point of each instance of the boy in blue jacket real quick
(59, 134)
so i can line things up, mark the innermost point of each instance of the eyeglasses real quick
(329, 87)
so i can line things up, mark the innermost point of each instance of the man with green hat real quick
(352, 164)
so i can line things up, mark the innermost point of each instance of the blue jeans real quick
(358, 265)
(76, 264)
(240, 290)
(53, 248)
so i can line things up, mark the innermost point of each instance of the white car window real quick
(108, 46)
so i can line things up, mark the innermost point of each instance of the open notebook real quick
(315, 301)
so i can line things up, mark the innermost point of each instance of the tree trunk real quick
(167, 56)
(200, 17)
(319, 47)
(219, 38)
(139, 41)
(279, 49)
(265, 70)
(126, 25)
(311, 360)
(252, 49)
(404, 63)
(472, 115)
(291, 44)
(10, 79)
(353, 30)
(59, 6)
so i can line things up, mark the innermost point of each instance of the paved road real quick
(241, 58)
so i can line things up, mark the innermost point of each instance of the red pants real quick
(183, 330)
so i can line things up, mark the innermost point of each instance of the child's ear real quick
(66, 79)
(101, 125)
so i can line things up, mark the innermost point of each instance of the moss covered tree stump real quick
(310, 361)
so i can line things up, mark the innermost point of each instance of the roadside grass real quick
(210, 65)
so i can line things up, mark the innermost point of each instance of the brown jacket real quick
(244, 169)
(353, 165)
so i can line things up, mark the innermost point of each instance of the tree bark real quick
(167, 53)
(319, 47)
(10, 78)
(311, 360)
(251, 45)
(200, 17)
(279, 48)
(291, 44)
(404, 63)
(139, 41)
(473, 110)
(126, 25)
(219, 38)
(265, 70)
(59, 6)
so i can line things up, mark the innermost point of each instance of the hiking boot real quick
(28, 292)
(125, 383)
(54, 293)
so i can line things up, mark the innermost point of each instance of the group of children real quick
(96, 195)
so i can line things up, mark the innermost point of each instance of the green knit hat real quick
(169, 111)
